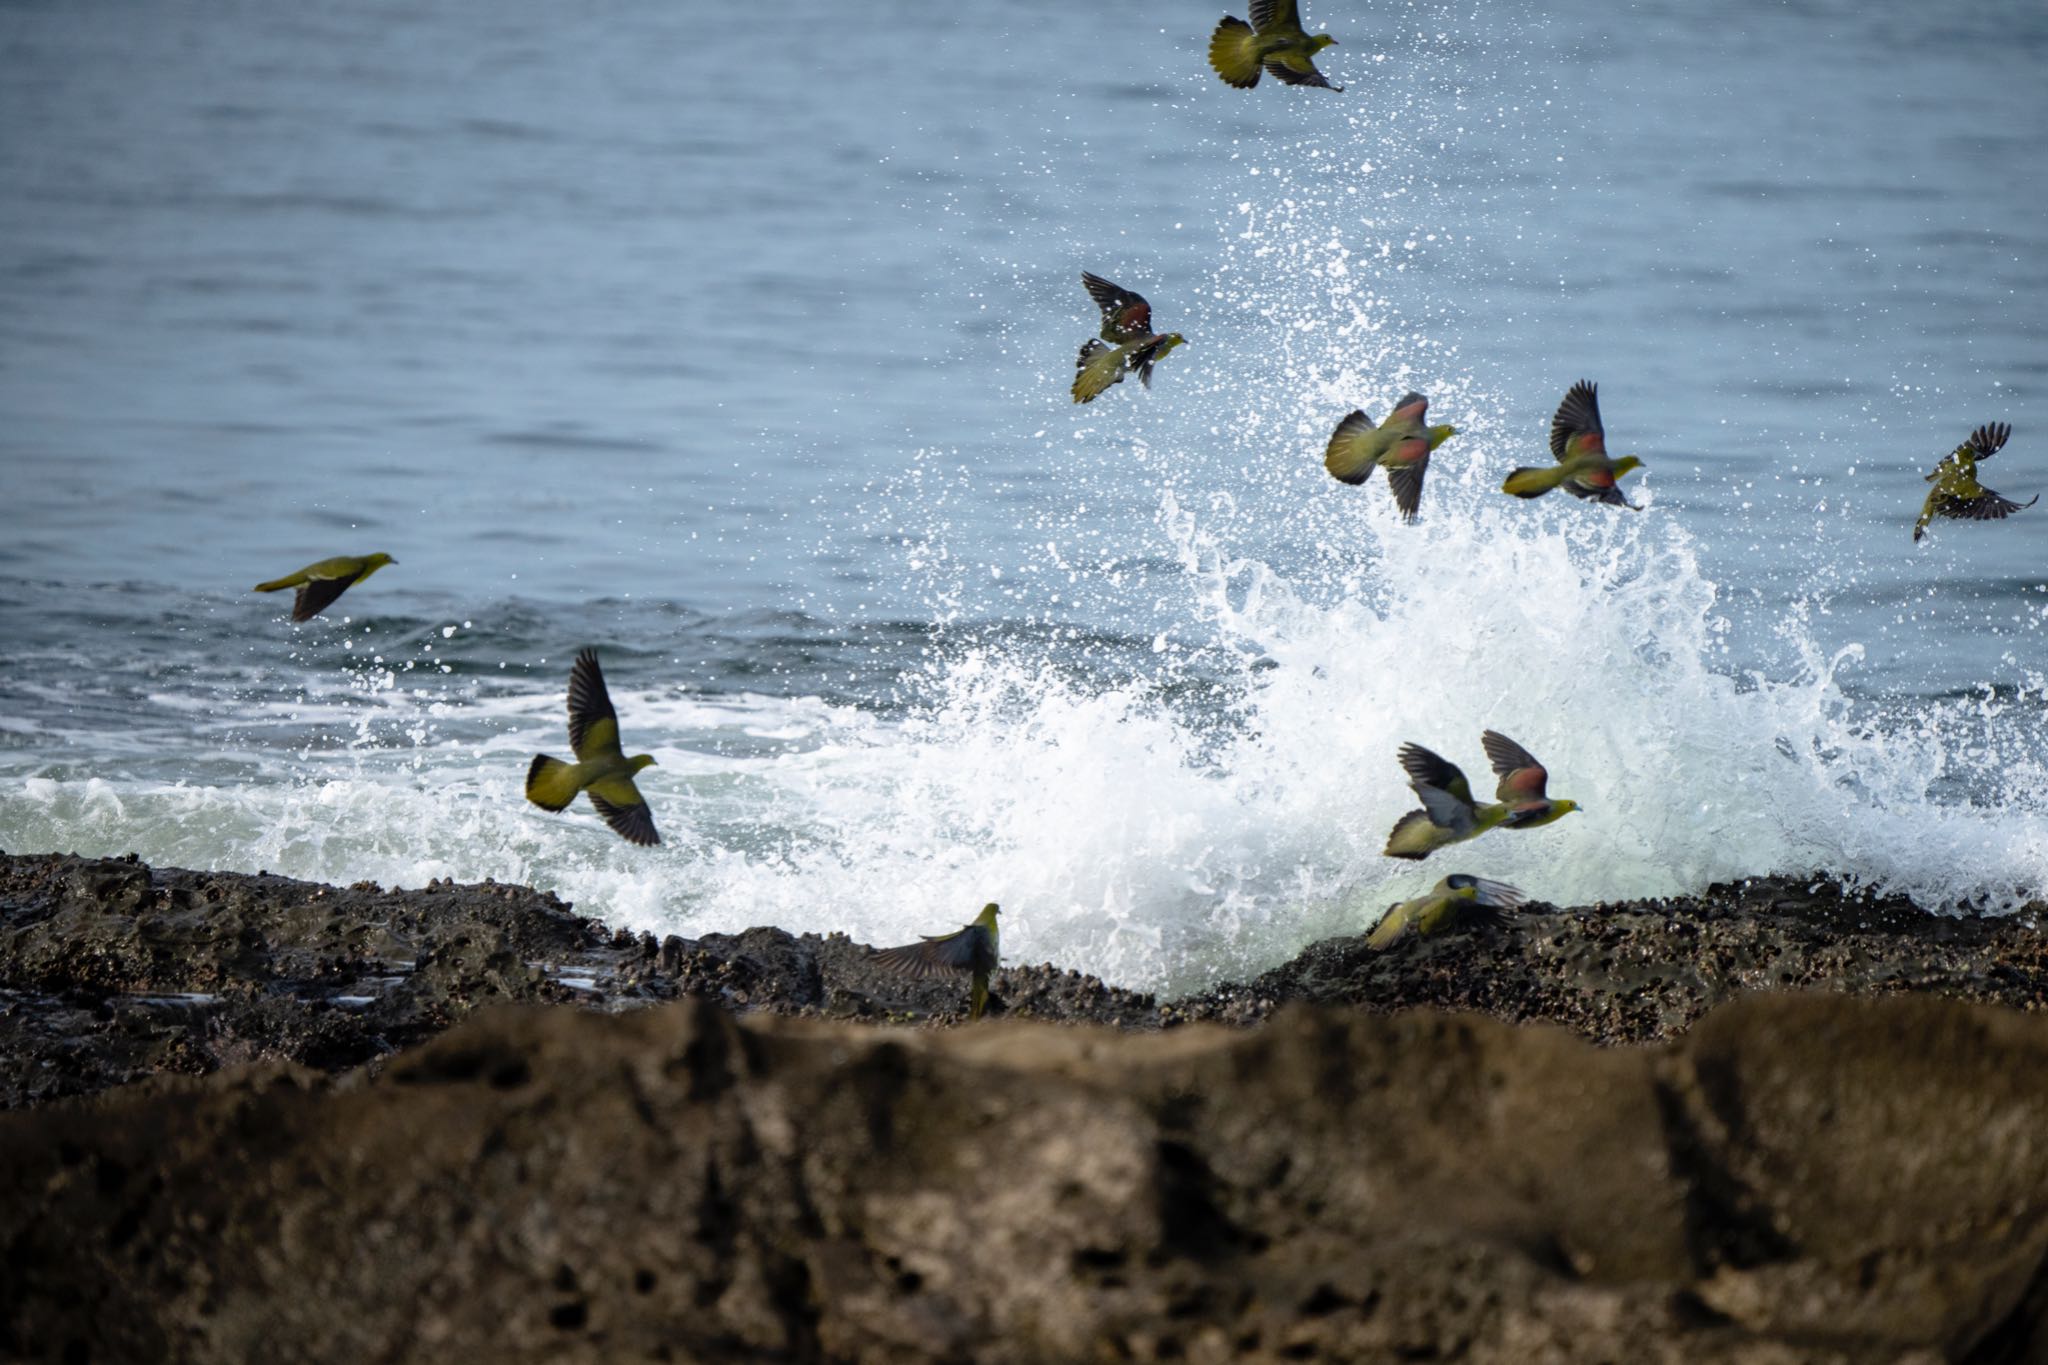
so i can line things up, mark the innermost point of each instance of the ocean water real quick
(745, 359)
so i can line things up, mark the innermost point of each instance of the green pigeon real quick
(1579, 444)
(972, 949)
(1457, 899)
(1401, 445)
(1127, 327)
(1274, 41)
(1957, 493)
(1449, 815)
(319, 584)
(601, 767)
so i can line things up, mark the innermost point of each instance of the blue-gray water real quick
(749, 365)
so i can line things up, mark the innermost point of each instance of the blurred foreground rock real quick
(1807, 1178)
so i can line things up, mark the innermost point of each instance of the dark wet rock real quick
(1638, 971)
(1807, 1178)
(112, 971)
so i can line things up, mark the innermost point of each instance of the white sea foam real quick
(1128, 838)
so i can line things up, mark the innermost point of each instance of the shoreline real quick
(112, 971)
(460, 1120)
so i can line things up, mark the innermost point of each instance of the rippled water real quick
(750, 368)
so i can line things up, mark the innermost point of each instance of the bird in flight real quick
(319, 584)
(1579, 445)
(1458, 899)
(601, 767)
(1131, 342)
(972, 949)
(1401, 445)
(1956, 492)
(1273, 42)
(1449, 815)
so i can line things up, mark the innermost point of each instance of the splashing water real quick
(1162, 663)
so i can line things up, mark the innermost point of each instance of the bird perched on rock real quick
(1457, 899)
(1133, 345)
(1957, 493)
(972, 949)
(1449, 815)
(319, 584)
(1272, 41)
(1401, 445)
(1579, 444)
(601, 767)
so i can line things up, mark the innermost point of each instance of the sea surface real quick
(741, 352)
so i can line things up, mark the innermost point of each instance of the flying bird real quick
(601, 767)
(1579, 445)
(1132, 344)
(972, 949)
(1449, 815)
(319, 584)
(1957, 493)
(1272, 41)
(1401, 445)
(1457, 899)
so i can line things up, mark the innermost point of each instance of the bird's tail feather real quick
(1350, 455)
(1411, 836)
(1234, 52)
(1095, 369)
(290, 580)
(550, 783)
(1387, 930)
(1534, 483)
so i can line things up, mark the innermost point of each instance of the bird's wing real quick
(1096, 368)
(1125, 315)
(1497, 895)
(1408, 413)
(1522, 778)
(1986, 506)
(1445, 809)
(1353, 450)
(624, 809)
(965, 950)
(1406, 477)
(1599, 485)
(1987, 440)
(1428, 769)
(1576, 429)
(1269, 16)
(316, 594)
(1297, 68)
(593, 725)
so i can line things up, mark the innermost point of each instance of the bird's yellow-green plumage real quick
(1401, 445)
(1273, 43)
(319, 584)
(1956, 492)
(1459, 899)
(1578, 443)
(975, 949)
(1128, 344)
(1450, 815)
(601, 767)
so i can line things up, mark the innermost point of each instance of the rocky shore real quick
(112, 971)
(296, 1129)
